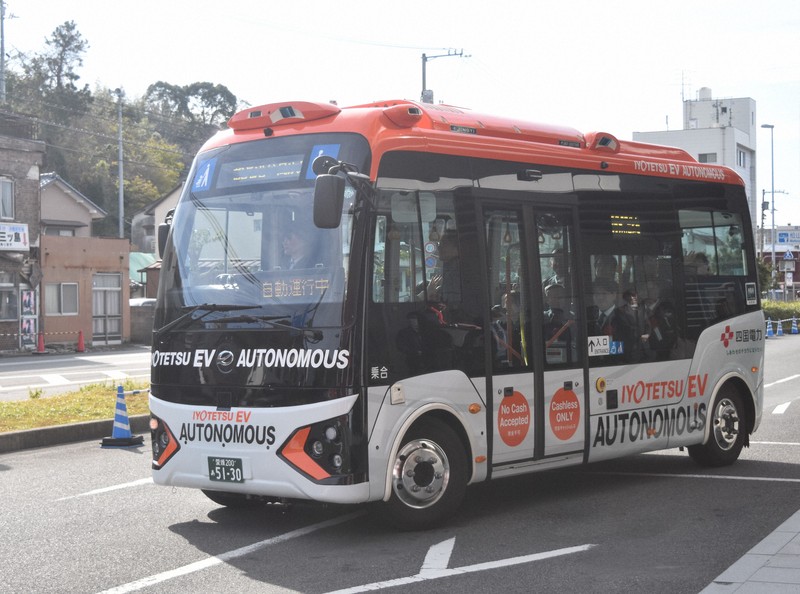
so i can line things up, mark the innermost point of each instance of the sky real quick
(617, 66)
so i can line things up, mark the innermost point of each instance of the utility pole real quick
(2, 51)
(120, 200)
(771, 129)
(427, 94)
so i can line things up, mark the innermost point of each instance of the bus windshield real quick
(243, 239)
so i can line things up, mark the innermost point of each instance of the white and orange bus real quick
(392, 301)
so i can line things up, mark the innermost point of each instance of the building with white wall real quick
(721, 131)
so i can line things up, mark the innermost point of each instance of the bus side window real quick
(632, 279)
(422, 311)
(510, 303)
(559, 318)
(714, 267)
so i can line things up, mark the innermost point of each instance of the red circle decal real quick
(565, 414)
(513, 419)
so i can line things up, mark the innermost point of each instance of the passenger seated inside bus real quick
(424, 343)
(605, 267)
(607, 319)
(507, 330)
(697, 265)
(557, 325)
(560, 269)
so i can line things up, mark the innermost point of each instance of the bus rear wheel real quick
(429, 476)
(728, 431)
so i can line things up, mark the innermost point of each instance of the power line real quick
(104, 136)
(92, 154)
(130, 124)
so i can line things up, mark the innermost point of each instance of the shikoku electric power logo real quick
(749, 340)
(727, 336)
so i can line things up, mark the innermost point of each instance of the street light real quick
(427, 94)
(771, 128)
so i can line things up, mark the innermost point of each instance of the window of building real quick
(8, 302)
(6, 199)
(61, 299)
(707, 157)
(741, 158)
(59, 231)
(107, 306)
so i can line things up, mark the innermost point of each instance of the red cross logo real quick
(726, 336)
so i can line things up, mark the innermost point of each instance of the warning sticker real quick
(513, 419)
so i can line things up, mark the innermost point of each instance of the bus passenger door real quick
(510, 378)
(561, 360)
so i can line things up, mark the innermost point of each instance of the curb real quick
(14, 441)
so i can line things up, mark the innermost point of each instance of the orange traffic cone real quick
(40, 345)
(81, 346)
(121, 432)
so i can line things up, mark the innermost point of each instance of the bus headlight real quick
(165, 446)
(320, 451)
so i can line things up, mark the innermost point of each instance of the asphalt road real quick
(79, 518)
(50, 374)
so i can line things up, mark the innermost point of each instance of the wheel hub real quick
(726, 424)
(420, 473)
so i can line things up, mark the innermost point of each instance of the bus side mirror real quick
(163, 233)
(328, 201)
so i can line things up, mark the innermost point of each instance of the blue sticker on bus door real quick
(202, 179)
(330, 150)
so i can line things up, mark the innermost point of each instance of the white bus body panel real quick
(651, 406)
(265, 473)
(448, 391)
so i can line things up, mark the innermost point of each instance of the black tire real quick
(232, 500)
(728, 431)
(429, 476)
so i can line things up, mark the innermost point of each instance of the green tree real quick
(49, 80)
(151, 164)
(48, 89)
(188, 115)
(161, 131)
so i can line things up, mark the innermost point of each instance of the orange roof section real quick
(410, 125)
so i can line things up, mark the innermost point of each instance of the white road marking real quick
(145, 481)
(438, 557)
(55, 380)
(780, 381)
(228, 556)
(435, 566)
(781, 408)
(768, 479)
(116, 375)
(66, 382)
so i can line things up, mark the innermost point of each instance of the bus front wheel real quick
(429, 476)
(728, 431)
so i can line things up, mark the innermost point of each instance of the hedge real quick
(783, 311)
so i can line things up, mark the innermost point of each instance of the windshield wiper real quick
(208, 307)
(276, 322)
